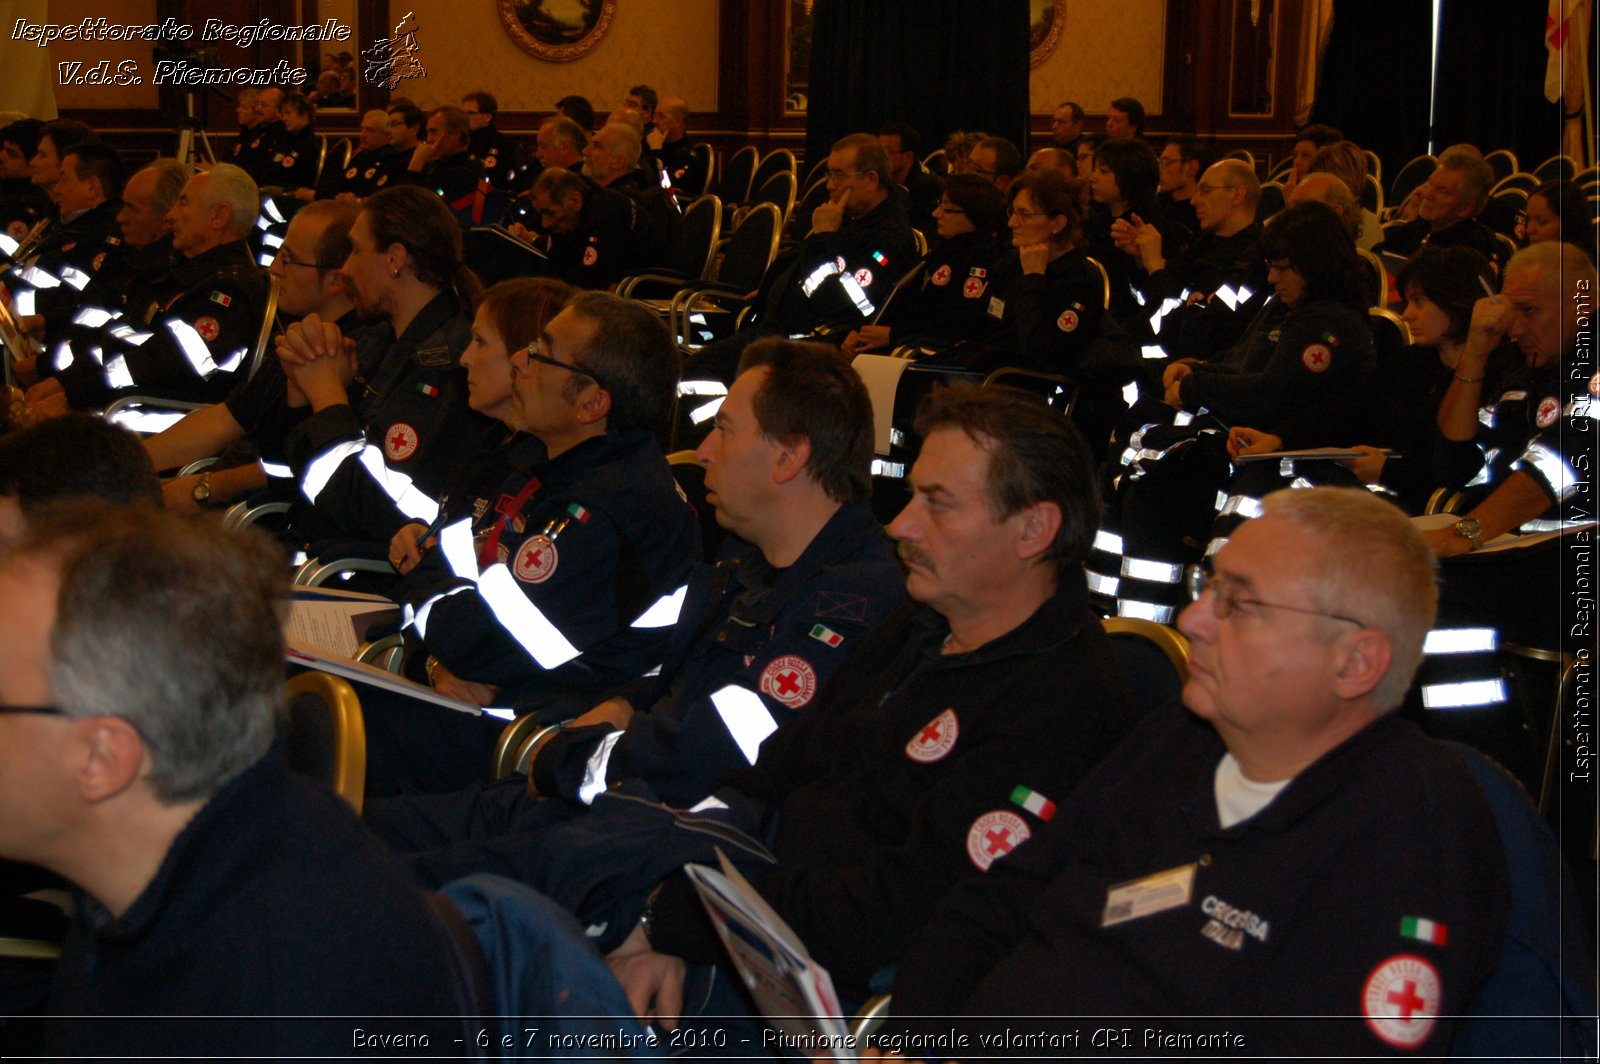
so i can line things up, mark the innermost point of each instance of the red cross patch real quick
(99, 260)
(367, 175)
(993, 835)
(789, 679)
(288, 161)
(941, 276)
(1549, 410)
(935, 739)
(973, 288)
(590, 255)
(490, 162)
(1401, 1000)
(864, 277)
(1317, 358)
(350, 173)
(208, 328)
(400, 442)
(1068, 321)
(536, 560)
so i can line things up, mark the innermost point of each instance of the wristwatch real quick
(202, 491)
(1469, 529)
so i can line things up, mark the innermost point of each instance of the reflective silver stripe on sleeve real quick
(1149, 611)
(1152, 571)
(277, 470)
(1104, 585)
(455, 540)
(23, 303)
(194, 347)
(1109, 542)
(1243, 505)
(38, 278)
(320, 469)
(419, 618)
(1547, 464)
(594, 773)
(1463, 695)
(524, 621)
(1461, 641)
(663, 613)
(405, 495)
(746, 718)
(94, 317)
(75, 277)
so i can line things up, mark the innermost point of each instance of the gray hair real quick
(171, 176)
(624, 142)
(174, 625)
(1477, 177)
(231, 185)
(455, 121)
(633, 357)
(1560, 266)
(1374, 566)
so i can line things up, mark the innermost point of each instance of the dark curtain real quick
(1491, 79)
(1374, 82)
(940, 65)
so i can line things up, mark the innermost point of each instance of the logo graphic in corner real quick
(790, 679)
(1401, 1000)
(993, 835)
(936, 738)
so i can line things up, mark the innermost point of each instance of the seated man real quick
(613, 161)
(1307, 142)
(373, 166)
(1066, 127)
(560, 141)
(71, 457)
(204, 316)
(900, 140)
(224, 905)
(297, 152)
(575, 591)
(502, 158)
(810, 574)
(1124, 119)
(669, 141)
(1448, 205)
(996, 160)
(444, 163)
(596, 236)
(315, 245)
(1287, 847)
(1184, 158)
(860, 245)
(931, 754)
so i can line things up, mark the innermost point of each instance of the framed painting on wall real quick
(557, 31)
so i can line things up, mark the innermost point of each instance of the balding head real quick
(1225, 199)
(1330, 190)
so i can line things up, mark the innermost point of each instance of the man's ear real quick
(113, 758)
(1037, 529)
(793, 458)
(594, 406)
(1367, 656)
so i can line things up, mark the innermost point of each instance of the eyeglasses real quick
(1224, 597)
(535, 353)
(1165, 161)
(286, 257)
(835, 176)
(950, 208)
(44, 711)
(1018, 212)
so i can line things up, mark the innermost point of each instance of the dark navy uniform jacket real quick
(751, 649)
(575, 587)
(197, 330)
(366, 172)
(66, 258)
(1370, 890)
(369, 472)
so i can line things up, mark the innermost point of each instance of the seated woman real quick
(949, 306)
(1123, 184)
(1440, 286)
(1300, 370)
(1558, 210)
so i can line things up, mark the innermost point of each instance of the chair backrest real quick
(734, 185)
(269, 319)
(1243, 156)
(815, 196)
(1410, 176)
(1281, 170)
(936, 163)
(322, 156)
(1540, 1000)
(1105, 281)
(1503, 162)
(1372, 194)
(778, 190)
(911, 277)
(1525, 182)
(702, 167)
(1154, 659)
(1271, 201)
(514, 738)
(920, 241)
(1374, 164)
(778, 161)
(1059, 392)
(1390, 333)
(690, 476)
(697, 241)
(816, 173)
(327, 736)
(1380, 284)
(1557, 167)
(750, 250)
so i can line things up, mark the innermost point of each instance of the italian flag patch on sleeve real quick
(1423, 930)
(1033, 802)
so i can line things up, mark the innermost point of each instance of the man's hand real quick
(452, 686)
(829, 217)
(866, 338)
(1172, 379)
(616, 712)
(1035, 258)
(318, 360)
(404, 549)
(653, 981)
(1490, 321)
(178, 494)
(1244, 441)
(654, 139)
(46, 400)
(1144, 244)
(421, 157)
